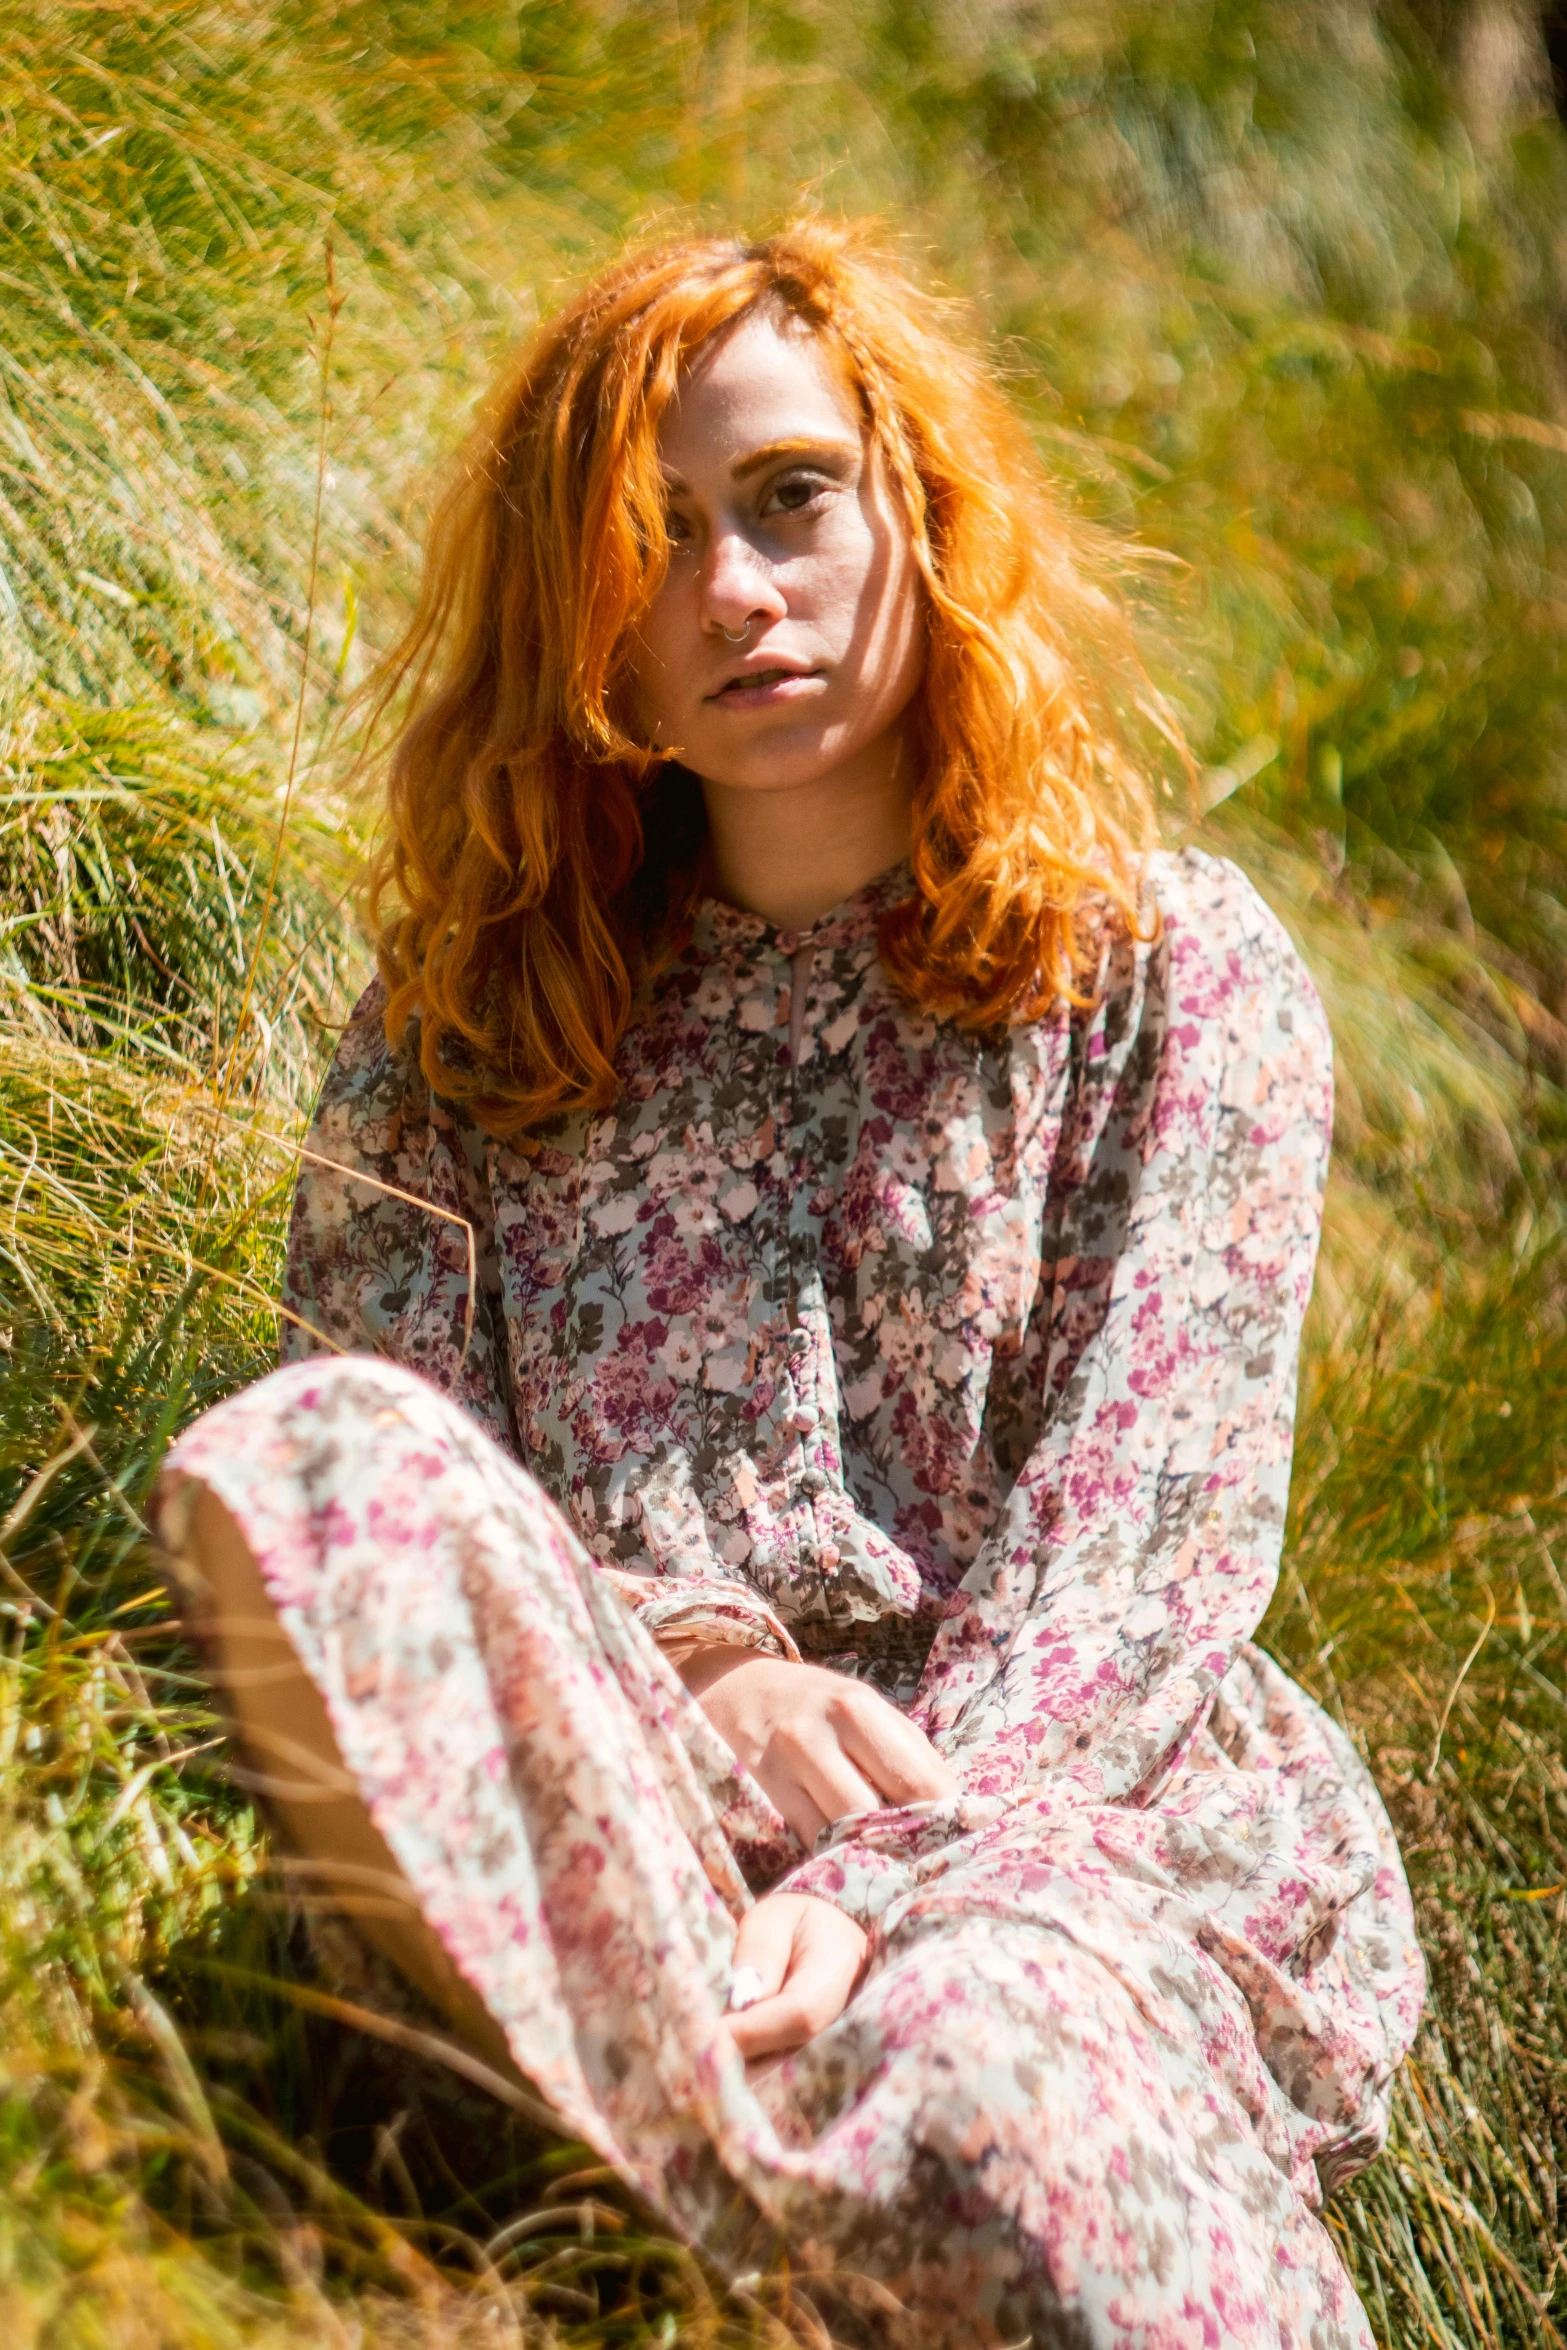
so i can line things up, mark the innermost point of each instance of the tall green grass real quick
(1281, 290)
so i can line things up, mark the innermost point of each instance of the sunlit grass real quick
(1279, 292)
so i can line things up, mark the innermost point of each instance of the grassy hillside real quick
(1281, 290)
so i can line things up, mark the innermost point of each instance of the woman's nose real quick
(737, 584)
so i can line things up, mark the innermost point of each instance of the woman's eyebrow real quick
(844, 453)
(841, 452)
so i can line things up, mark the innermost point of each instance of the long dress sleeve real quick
(391, 1245)
(1140, 1542)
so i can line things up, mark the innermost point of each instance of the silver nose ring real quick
(736, 640)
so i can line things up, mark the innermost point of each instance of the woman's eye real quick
(797, 492)
(676, 529)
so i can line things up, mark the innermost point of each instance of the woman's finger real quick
(829, 1775)
(897, 1759)
(826, 1952)
(779, 1779)
(762, 1949)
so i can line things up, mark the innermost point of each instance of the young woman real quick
(745, 1579)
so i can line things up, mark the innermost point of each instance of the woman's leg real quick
(282, 1726)
(465, 1729)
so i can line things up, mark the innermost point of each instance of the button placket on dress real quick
(795, 1514)
(810, 1334)
(763, 1075)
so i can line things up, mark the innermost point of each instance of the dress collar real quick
(723, 931)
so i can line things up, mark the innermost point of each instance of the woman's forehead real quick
(765, 379)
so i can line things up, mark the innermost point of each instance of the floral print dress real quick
(966, 1364)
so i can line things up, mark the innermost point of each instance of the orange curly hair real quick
(540, 859)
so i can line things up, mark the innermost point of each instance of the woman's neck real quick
(793, 854)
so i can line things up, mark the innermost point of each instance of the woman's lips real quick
(765, 687)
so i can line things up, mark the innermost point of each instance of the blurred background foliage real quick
(1282, 291)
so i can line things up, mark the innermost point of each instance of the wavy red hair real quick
(540, 857)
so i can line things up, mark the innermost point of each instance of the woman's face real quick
(787, 639)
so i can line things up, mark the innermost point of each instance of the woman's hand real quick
(807, 1957)
(818, 1743)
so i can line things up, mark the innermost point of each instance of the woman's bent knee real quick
(334, 1422)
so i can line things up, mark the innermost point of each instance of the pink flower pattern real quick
(963, 1363)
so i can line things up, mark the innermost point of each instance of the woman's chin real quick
(771, 768)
